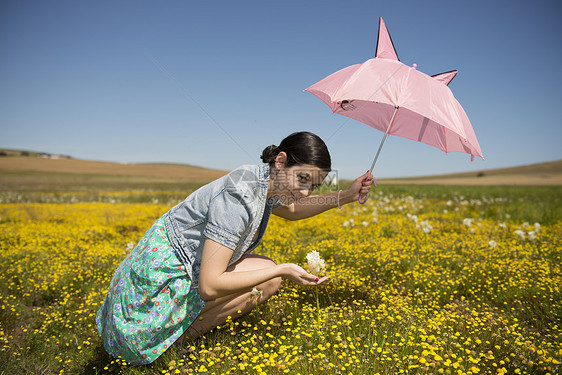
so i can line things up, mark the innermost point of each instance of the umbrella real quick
(399, 100)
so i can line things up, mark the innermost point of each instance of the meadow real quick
(423, 280)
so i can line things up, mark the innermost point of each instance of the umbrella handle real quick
(363, 198)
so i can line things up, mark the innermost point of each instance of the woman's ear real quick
(281, 160)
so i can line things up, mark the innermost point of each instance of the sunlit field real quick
(423, 280)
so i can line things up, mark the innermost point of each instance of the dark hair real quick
(301, 148)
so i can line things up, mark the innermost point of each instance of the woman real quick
(193, 269)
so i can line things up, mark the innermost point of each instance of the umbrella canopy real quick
(399, 100)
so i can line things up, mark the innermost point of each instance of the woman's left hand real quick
(298, 275)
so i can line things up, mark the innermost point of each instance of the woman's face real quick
(296, 182)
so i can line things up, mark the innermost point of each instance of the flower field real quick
(423, 280)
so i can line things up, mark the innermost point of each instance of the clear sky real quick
(211, 83)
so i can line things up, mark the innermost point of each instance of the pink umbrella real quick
(399, 100)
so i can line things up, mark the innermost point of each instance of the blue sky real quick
(211, 83)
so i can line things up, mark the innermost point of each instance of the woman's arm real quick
(215, 281)
(307, 207)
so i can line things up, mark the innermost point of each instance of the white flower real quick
(425, 226)
(349, 223)
(520, 234)
(256, 293)
(493, 244)
(316, 264)
(365, 223)
(503, 225)
(537, 227)
(467, 222)
(130, 245)
(532, 235)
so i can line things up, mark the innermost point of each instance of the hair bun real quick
(269, 153)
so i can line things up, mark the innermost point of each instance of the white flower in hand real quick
(316, 264)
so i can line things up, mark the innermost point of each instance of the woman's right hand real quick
(299, 276)
(359, 189)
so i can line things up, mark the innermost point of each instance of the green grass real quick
(523, 203)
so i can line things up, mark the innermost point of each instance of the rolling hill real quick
(549, 173)
(26, 164)
(56, 165)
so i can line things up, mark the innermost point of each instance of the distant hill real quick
(549, 173)
(38, 163)
(24, 162)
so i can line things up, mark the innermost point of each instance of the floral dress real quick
(150, 302)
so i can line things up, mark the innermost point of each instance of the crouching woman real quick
(193, 268)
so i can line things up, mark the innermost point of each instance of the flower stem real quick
(317, 306)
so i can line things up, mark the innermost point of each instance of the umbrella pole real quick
(383, 139)
(363, 198)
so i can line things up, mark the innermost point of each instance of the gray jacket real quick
(229, 210)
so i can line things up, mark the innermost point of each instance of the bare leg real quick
(216, 311)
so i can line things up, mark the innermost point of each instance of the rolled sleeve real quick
(228, 217)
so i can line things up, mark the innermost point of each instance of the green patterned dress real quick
(150, 302)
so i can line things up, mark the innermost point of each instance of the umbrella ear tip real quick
(446, 77)
(385, 48)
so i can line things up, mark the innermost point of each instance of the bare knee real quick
(254, 262)
(270, 287)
